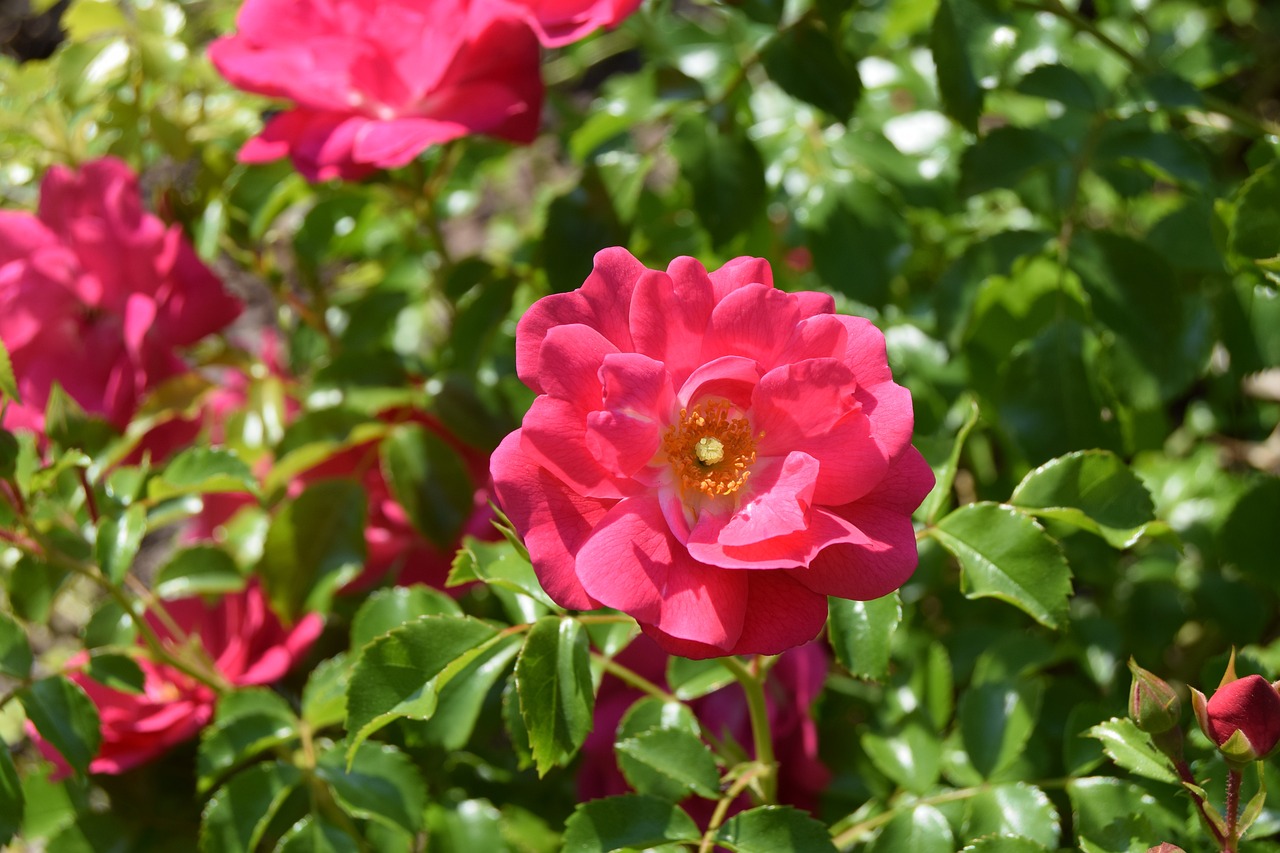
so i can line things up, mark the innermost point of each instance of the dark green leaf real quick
(1005, 844)
(627, 822)
(429, 480)
(1170, 156)
(1018, 809)
(726, 173)
(995, 722)
(381, 784)
(1092, 490)
(1062, 84)
(861, 632)
(387, 609)
(399, 674)
(239, 812)
(1250, 536)
(460, 701)
(119, 672)
(1006, 155)
(198, 570)
(314, 546)
(774, 829)
(314, 834)
(1006, 555)
(470, 826)
(669, 763)
(118, 540)
(580, 223)
(807, 63)
(203, 470)
(922, 829)
(1255, 228)
(12, 800)
(68, 425)
(957, 83)
(1133, 750)
(553, 677)
(65, 717)
(248, 723)
(9, 450)
(15, 650)
(911, 755)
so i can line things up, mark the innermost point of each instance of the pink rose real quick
(561, 22)
(710, 455)
(244, 641)
(97, 295)
(376, 83)
(1249, 707)
(790, 691)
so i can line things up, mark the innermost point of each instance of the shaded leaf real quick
(996, 721)
(726, 173)
(388, 609)
(238, 813)
(807, 63)
(377, 782)
(553, 677)
(625, 822)
(429, 480)
(669, 763)
(15, 650)
(774, 829)
(65, 717)
(922, 829)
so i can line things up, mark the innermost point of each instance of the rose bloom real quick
(561, 22)
(246, 644)
(710, 455)
(791, 687)
(376, 83)
(97, 295)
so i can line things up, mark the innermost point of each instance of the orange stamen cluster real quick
(710, 450)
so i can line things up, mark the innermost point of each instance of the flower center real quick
(709, 449)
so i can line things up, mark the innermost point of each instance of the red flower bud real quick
(1242, 718)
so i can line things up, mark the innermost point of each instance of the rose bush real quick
(245, 645)
(98, 295)
(373, 84)
(710, 455)
(561, 22)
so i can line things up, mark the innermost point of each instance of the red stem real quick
(1233, 807)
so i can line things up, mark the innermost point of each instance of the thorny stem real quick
(1185, 774)
(752, 682)
(1233, 812)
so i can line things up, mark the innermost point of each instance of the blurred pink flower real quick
(710, 455)
(376, 83)
(561, 22)
(97, 295)
(790, 691)
(245, 643)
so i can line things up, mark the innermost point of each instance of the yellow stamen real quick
(709, 449)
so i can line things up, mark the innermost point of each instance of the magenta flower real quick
(710, 455)
(561, 22)
(246, 644)
(376, 83)
(97, 295)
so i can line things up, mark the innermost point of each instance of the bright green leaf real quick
(248, 723)
(1092, 490)
(774, 829)
(689, 679)
(198, 570)
(1133, 750)
(381, 783)
(459, 703)
(627, 822)
(387, 609)
(553, 677)
(203, 470)
(669, 763)
(1006, 555)
(118, 540)
(922, 829)
(861, 633)
(314, 834)
(1018, 809)
(497, 564)
(911, 755)
(995, 722)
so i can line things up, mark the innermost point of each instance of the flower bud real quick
(1153, 704)
(1242, 717)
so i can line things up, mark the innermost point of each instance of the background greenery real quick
(1065, 217)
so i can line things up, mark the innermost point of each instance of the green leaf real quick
(669, 763)
(198, 570)
(1019, 809)
(460, 701)
(9, 451)
(1092, 490)
(1005, 844)
(1255, 228)
(1006, 555)
(631, 821)
(8, 384)
(86, 19)
(774, 829)
(689, 679)
(249, 722)
(650, 713)
(807, 63)
(201, 471)
(470, 826)
(400, 674)
(553, 677)
(1133, 750)
(957, 83)
(69, 426)
(388, 609)
(1062, 84)
(861, 632)
(15, 650)
(1169, 156)
(237, 815)
(922, 829)
(381, 783)
(119, 672)
(996, 720)
(118, 540)
(324, 696)
(1007, 155)
(65, 717)
(911, 756)
(726, 173)
(12, 800)
(497, 564)
(314, 834)
(429, 480)
(314, 546)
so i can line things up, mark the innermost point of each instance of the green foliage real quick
(556, 693)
